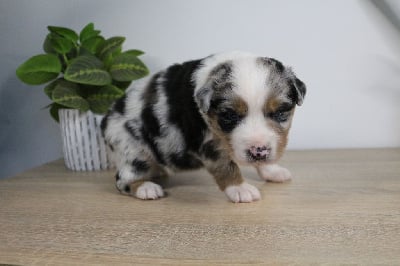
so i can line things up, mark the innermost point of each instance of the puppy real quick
(217, 112)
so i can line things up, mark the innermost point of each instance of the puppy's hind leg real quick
(134, 178)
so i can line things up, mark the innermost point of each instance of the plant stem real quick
(77, 47)
(65, 59)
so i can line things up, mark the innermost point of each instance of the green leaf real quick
(110, 46)
(48, 46)
(127, 67)
(87, 70)
(54, 107)
(60, 44)
(84, 51)
(101, 99)
(39, 69)
(88, 32)
(73, 53)
(123, 85)
(64, 32)
(93, 44)
(134, 52)
(48, 90)
(66, 93)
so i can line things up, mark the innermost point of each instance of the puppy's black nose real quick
(259, 153)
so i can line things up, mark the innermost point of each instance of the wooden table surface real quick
(343, 207)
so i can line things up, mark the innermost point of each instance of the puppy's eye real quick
(282, 114)
(228, 119)
(279, 116)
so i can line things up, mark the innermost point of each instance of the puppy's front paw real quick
(242, 193)
(274, 173)
(149, 191)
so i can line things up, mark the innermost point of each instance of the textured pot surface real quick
(83, 145)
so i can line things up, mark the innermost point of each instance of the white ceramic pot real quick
(83, 144)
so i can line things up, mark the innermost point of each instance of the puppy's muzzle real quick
(260, 153)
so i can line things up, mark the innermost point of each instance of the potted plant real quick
(84, 73)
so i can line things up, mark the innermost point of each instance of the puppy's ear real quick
(299, 89)
(203, 98)
(217, 81)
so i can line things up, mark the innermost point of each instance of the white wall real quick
(341, 49)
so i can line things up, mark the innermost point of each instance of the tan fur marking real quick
(135, 185)
(282, 133)
(224, 170)
(240, 106)
(271, 105)
(226, 173)
(159, 179)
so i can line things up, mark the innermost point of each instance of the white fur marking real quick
(149, 190)
(253, 131)
(274, 173)
(202, 74)
(243, 193)
(251, 82)
(133, 102)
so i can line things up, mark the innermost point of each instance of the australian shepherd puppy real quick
(218, 112)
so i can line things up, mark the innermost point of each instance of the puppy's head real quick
(249, 102)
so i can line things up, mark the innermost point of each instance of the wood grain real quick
(343, 207)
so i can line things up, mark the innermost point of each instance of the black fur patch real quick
(140, 166)
(151, 124)
(292, 94)
(301, 87)
(297, 90)
(228, 120)
(133, 127)
(119, 105)
(215, 103)
(103, 124)
(209, 150)
(150, 94)
(183, 111)
(111, 147)
(185, 161)
(117, 177)
(277, 65)
(150, 130)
